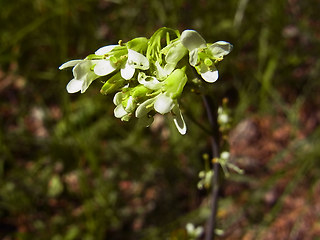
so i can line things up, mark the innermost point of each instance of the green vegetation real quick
(70, 170)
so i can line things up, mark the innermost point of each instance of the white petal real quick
(143, 108)
(178, 120)
(192, 40)
(161, 72)
(220, 49)
(176, 53)
(119, 111)
(131, 105)
(190, 228)
(163, 104)
(81, 70)
(70, 64)
(103, 67)
(137, 60)
(149, 81)
(169, 68)
(208, 74)
(117, 99)
(89, 78)
(193, 57)
(74, 86)
(104, 50)
(127, 72)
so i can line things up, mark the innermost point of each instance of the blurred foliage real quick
(70, 170)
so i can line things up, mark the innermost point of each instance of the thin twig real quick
(214, 136)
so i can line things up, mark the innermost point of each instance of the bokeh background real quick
(70, 170)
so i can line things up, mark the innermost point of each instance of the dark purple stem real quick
(214, 136)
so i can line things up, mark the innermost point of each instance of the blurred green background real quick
(70, 170)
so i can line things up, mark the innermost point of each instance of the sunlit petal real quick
(192, 40)
(178, 120)
(168, 68)
(208, 74)
(117, 99)
(220, 49)
(127, 72)
(176, 53)
(70, 64)
(103, 67)
(161, 73)
(137, 60)
(163, 104)
(81, 69)
(88, 79)
(119, 111)
(131, 105)
(144, 108)
(149, 81)
(104, 50)
(193, 57)
(74, 86)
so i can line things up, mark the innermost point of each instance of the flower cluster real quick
(148, 75)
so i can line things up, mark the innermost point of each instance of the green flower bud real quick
(175, 83)
(113, 84)
(140, 91)
(138, 44)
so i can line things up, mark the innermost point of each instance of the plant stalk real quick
(214, 137)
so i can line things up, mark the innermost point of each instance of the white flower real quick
(82, 70)
(123, 112)
(135, 61)
(83, 75)
(194, 232)
(119, 111)
(199, 49)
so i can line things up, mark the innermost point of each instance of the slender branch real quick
(214, 137)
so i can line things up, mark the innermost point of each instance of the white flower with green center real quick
(83, 74)
(126, 101)
(127, 59)
(87, 70)
(203, 56)
(135, 61)
(156, 68)
(120, 111)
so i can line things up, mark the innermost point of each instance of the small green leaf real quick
(138, 44)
